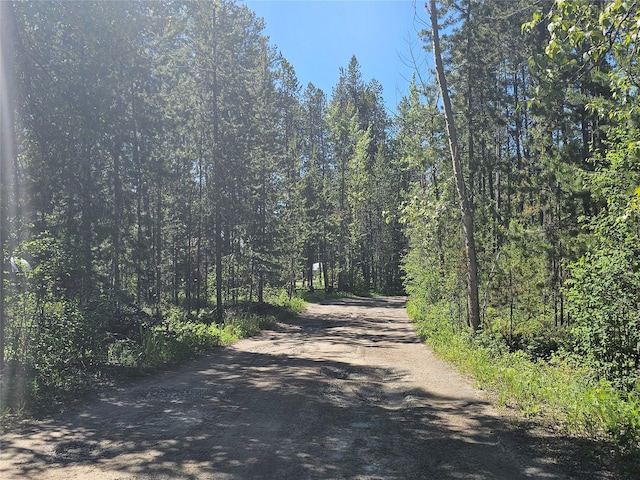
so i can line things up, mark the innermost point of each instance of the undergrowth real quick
(42, 379)
(181, 335)
(559, 391)
(321, 295)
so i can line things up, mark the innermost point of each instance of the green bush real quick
(182, 336)
(539, 337)
(603, 296)
(562, 390)
(61, 350)
(56, 349)
(124, 353)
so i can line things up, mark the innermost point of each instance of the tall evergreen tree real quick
(473, 301)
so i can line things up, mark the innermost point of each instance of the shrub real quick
(562, 390)
(56, 349)
(124, 353)
(603, 293)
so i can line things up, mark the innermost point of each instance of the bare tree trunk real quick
(473, 304)
(139, 188)
(117, 219)
(217, 183)
(86, 226)
(199, 229)
(158, 252)
(219, 278)
(7, 145)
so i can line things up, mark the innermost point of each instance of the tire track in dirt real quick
(345, 390)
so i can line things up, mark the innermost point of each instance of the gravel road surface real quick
(345, 390)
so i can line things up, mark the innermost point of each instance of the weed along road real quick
(345, 390)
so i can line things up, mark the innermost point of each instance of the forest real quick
(167, 185)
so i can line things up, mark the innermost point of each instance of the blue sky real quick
(319, 36)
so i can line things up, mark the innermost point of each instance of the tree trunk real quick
(7, 145)
(86, 225)
(217, 182)
(473, 304)
(117, 218)
(219, 278)
(158, 252)
(139, 242)
(323, 261)
(310, 258)
(199, 235)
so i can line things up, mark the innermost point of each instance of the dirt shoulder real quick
(345, 390)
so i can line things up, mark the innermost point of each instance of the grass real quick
(29, 388)
(321, 295)
(180, 337)
(559, 391)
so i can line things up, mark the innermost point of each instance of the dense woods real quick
(165, 162)
(544, 99)
(169, 163)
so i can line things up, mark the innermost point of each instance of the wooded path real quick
(345, 390)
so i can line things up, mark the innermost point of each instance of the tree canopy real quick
(167, 157)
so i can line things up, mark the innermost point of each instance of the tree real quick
(8, 148)
(428, 212)
(264, 193)
(473, 303)
(293, 225)
(319, 180)
(596, 44)
(358, 127)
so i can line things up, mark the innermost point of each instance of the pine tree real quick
(473, 302)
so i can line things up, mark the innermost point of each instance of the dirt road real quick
(346, 390)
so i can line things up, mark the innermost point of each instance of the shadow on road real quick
(243, 414)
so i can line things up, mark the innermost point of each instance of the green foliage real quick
(365, 246)
(171, 342)
(561, 391)
(320, 295)
(605, 283)
(589, 67)
(603, 291)
(539, 337)
(290, 305)
(125, 353)
(65, 351)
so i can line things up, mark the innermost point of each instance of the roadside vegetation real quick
(555, 389)
(74, 351)
(545, 107)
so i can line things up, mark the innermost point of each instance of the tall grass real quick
(560, 390)
(320, 295)
(180, 336)
(52, 368)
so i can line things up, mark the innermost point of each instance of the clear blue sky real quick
(319, 36)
